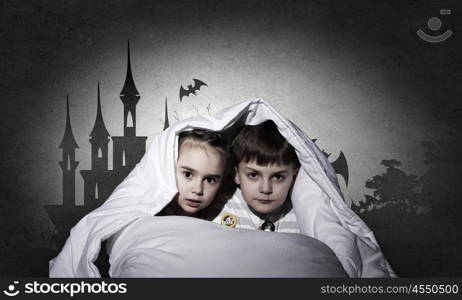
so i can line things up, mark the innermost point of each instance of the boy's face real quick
(265, 188)
(199, 173)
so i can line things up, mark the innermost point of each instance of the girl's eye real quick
(211, 180)
(252, 175)
(187, 174)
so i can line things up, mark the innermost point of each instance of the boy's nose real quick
(266, 187)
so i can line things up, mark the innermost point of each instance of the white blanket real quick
(316, 198)
(173, 246)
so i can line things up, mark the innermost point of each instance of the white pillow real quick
(173, 246)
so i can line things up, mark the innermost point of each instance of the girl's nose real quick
(198, 188)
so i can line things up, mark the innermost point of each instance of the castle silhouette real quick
(99, 181)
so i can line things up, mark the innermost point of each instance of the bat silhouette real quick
(191, 89)
(340, 165)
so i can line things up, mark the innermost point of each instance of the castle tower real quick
(129, 148)
(96, 189)
(68, 164)
(66, 215)
(99, 141)
(130, 97)
(166, 124)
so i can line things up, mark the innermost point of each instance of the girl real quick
(201, 167)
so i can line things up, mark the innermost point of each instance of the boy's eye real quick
(278, 177)
(187, 174)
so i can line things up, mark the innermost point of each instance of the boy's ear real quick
(293, 178)
(236, 176)
(296, 172)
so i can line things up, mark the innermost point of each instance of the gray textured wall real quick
(351, 73)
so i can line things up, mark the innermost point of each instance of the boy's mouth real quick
(264, 201)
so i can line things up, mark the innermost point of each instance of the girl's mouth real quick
(193, 203)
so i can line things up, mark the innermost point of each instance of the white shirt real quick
(284, 219)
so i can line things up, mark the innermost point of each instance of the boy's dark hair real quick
(264, 144)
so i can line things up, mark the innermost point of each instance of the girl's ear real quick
(236, 176)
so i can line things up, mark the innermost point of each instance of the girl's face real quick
(199, 172)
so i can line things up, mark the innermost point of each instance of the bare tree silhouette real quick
(196, 109)
(431, 243)
(176, 116)
(393, 188)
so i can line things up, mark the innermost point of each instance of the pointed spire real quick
(129, 89)
(166, 124)
(68, 138)
(99, 129)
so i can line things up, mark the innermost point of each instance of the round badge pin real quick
(229, 220)
(268, 226)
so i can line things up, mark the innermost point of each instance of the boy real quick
(266, 166)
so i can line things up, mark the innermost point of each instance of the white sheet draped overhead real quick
(316, 198)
